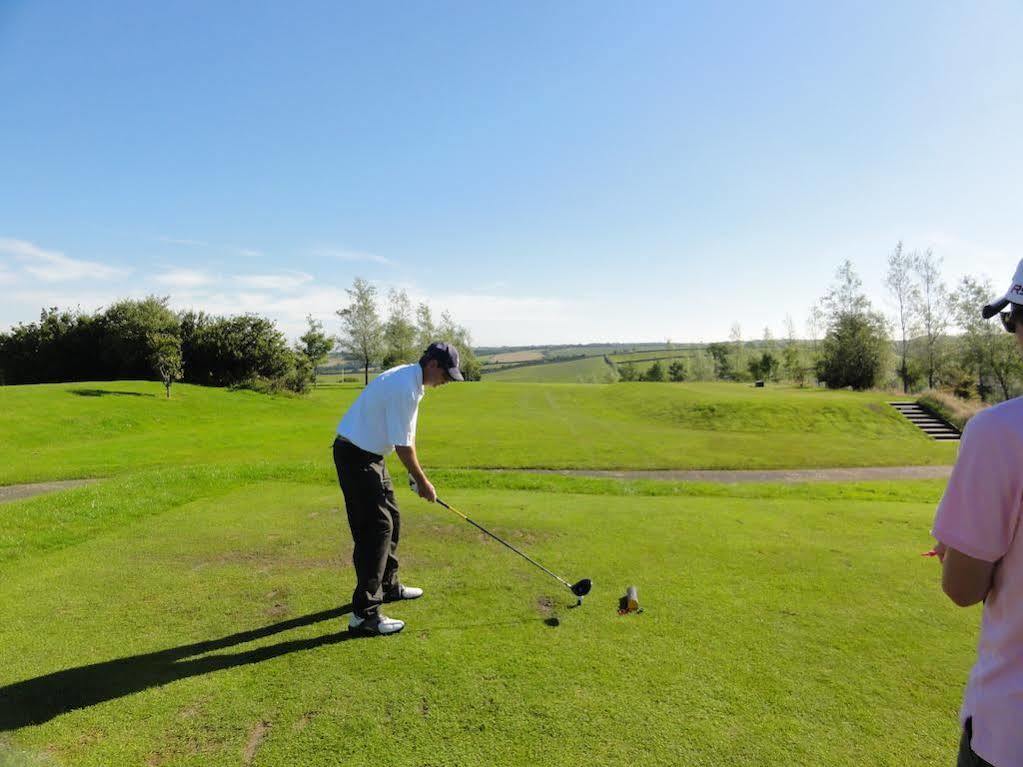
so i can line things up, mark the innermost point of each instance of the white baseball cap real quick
(1013, 296)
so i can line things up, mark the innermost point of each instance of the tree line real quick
(144, 339)
(935, 338)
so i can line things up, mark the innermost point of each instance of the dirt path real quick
(17, 492)
(867, 474)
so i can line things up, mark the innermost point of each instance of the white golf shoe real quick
(403, 592)
(378, 624)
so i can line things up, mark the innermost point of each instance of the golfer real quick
(981, 549)
(382, 420)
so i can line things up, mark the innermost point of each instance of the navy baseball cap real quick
(447, 356)
(1014, 295)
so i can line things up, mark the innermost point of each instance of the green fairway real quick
(101, 429)
(781, 625)
(188, 609)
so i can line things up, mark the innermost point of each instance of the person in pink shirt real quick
(981, 554)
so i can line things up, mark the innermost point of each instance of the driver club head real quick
(581, 589)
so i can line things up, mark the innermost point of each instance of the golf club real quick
(579, 589)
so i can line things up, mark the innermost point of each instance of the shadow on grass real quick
(39, 700)
(108, 393)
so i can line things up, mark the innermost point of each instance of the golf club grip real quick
(506, 544)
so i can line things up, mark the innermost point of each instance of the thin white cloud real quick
(352, 256)
(250, 252)
(54, 266)
(183, 278)
(6, 277)
(282, 281)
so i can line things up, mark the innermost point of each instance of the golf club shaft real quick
(505, 543)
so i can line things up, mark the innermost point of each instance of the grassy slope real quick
(49, 432)
(783, 625)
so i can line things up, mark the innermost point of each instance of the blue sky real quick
(548, 172)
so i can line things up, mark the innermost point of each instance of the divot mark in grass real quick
(545, 605)
(256, 738)
(303, 721)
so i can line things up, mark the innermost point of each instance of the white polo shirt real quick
(385, 414)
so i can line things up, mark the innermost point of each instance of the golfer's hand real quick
(938, 551)
(426, 490)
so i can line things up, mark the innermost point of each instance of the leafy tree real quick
(985, 347)
(722, 363)
(853, 352)
(856, 345)
(764, 367)
(739, 348)
(165, 358)
(62, 346)
(361, 331)
(933, 307)
(654, 373)
(627, 372)
(458, 336)
(815, 325)
(301, 374)
(901, 283)
(127, 329)
(426, 331)
(229, 351)
(791, 360)
(314, 345)
(677, 371)
(400, 345)
(701, 366)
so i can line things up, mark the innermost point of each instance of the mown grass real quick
(188, 610)
(191, 616)
(105, 429)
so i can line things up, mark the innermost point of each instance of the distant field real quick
(515, 357)
(587, 370)
(663, 354)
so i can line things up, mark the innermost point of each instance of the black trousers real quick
(966, 756)
(375, 523)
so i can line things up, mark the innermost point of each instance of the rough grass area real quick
(191, 616)
(956, 411)
(65, 431)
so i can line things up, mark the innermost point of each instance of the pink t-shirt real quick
(979, 515)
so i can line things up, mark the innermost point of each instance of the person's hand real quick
(938, 551)
(426, 490)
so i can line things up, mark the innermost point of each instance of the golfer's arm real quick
(407, 455)
(965, 580)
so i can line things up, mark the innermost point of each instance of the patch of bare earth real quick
(20, 492)
(256, 737)
(304, 720)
